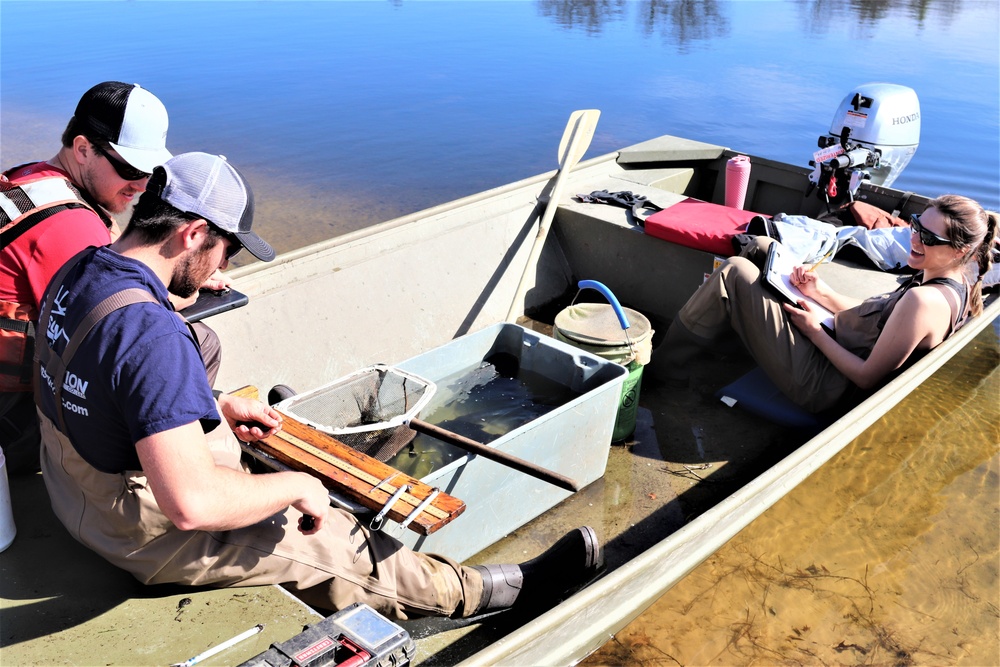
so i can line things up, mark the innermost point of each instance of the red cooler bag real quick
(700, 225)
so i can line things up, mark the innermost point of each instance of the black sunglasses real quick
(126, 171)
(234, 242)
(926, 237)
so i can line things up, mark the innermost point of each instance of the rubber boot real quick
(670, 359)
(279, 392)
(569, 563)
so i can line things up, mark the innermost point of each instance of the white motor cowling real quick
(873, 136)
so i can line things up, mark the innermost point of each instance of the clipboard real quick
(777, 276)
(211, 302)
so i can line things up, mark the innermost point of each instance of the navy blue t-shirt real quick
(137, 373)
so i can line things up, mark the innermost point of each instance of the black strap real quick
(20, 326)
(637, 207)
(962, 291)
(903, 201)
(55, 365)
(24, 369)
(10, 235)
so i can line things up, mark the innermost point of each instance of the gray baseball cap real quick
(211, 188)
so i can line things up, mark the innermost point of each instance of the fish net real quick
(367, 410)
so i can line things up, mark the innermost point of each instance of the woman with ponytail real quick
(951, 247)
(966, 222)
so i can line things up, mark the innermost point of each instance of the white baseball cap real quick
(130, 118)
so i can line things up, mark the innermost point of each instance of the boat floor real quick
(63, 604)
(689, 452)
(60, 603)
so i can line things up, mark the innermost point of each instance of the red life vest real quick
(22, 206)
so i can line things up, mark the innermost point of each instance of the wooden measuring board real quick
(355, 475)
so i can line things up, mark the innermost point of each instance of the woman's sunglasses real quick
(926, 237)
(126, 171)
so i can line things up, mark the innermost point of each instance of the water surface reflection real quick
(889, 554)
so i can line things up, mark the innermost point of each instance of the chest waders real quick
(55, 364)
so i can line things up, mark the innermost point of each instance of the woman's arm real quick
(813, 287)
(920, 320)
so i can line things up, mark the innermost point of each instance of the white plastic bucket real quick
(593, 327)
(7, 530)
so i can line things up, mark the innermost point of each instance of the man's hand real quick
(314, 505)
(197, 493)
(217, 282)
(250, 420)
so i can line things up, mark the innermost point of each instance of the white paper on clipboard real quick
(777, 274)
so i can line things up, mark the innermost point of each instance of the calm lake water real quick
(344, 114)
(348, 114)
(887, 555)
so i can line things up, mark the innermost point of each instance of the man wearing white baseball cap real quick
(51, 210)
(142, 464)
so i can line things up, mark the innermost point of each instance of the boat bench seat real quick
(847, 277)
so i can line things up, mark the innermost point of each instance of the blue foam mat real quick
(755, 393)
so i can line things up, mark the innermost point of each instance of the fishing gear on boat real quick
(376, 523)
(637, 207)
(420, 508)
(374, 410)
(353, 637)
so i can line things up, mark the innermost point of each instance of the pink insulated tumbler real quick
(737, 178)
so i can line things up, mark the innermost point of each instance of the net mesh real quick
(366, 410)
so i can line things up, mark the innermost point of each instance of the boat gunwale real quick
(312, 251)
(614, 601)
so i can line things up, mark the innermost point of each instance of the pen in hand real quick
(821, 259)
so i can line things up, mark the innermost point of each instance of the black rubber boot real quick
(280, 392)
(568, 564)
(670, 359)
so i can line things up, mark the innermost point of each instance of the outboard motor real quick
(872, 137)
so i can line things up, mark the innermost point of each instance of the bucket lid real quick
(597, 324)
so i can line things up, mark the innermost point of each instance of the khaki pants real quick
(19, 426)
(117, 516)
(211, 349)
(736, 298)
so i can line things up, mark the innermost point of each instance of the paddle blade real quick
(576, 137)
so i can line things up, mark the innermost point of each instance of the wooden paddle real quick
(502, 458)
(575, 141)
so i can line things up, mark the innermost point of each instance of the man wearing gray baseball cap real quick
(142, 464)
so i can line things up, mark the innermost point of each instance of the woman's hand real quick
(808, 282)
(807, 318)
(250, 420)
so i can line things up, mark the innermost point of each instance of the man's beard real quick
(192, 272)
